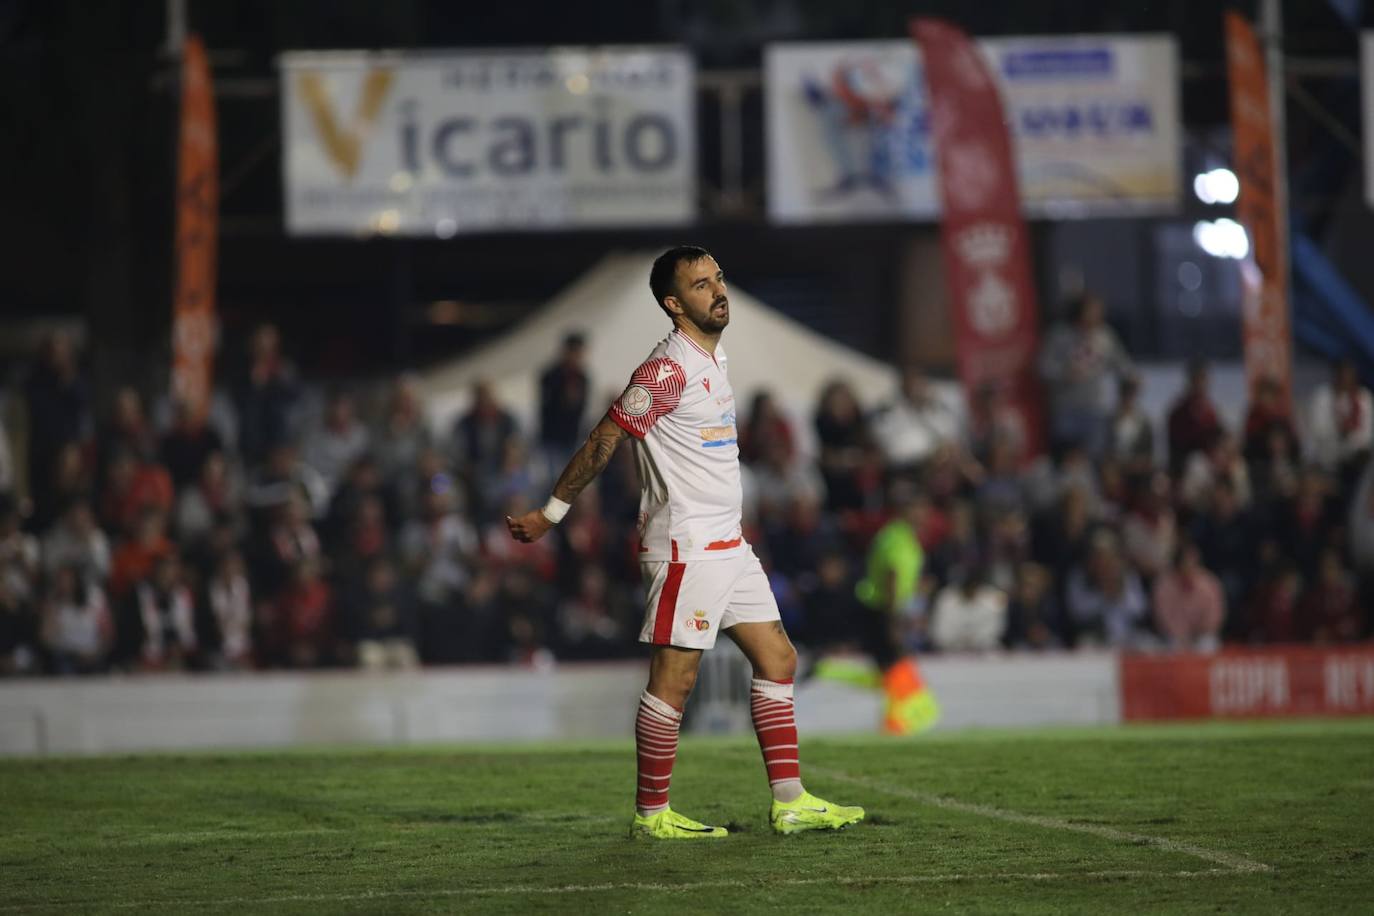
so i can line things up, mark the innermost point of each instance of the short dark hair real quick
(664, 272)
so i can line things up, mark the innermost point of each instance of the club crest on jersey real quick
(636, 401)
(699, 621)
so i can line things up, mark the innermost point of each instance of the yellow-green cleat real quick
(669, 825)
(807, 812)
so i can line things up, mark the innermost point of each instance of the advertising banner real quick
(197, 234)
(1243, 683)
(434, 144)
(1095, 127)
(983, 237)
(1264, 277)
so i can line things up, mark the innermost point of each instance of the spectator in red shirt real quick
(302, 618)
(1330, 611)
(135, 485)
(134, 559)
(1193, 421)
(766, 428)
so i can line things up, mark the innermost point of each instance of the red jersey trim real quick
(625, 425)
(725, 545)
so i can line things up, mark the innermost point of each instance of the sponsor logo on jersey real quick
(637, 400)
(717, 436)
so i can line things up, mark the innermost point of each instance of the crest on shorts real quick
(699, 621)
(636, 401)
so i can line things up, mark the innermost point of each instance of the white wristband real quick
(555, 509)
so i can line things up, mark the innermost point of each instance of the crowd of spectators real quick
(267, 534)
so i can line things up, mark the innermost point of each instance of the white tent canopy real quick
(611, 304)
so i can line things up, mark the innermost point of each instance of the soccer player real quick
(702, 577)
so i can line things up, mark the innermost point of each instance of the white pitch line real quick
(1235, 863)
(515, 889)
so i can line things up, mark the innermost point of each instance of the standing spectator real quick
(1189, 604)
(403, 435)
(1221, 460)
(58, 415)
(1329, 611)
(75, 541)
(851, 478)
(230, 599)
(1078, 361)
(135, 486)
(970, 616)
(587, 626)
(915, 424)
(1034, 617)
(1193, 420)
(1106, 602)
(187, 444)
(134, 558)
(302, 618)
(1130, 435)
(563, 390)
(382, 621)
(766, 428)
(267, 394)
(335, 445)
(1340, 421)
(162, 618)
(481, 439)
(1225, 534)
(1149, 533)
(78, 630)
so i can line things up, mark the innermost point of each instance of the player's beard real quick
(716, 318)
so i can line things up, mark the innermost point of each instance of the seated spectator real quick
(127, 431)
(1329, 610)
(1189, 604)
(78, 629)
(136, 556)
(1034, 618)
(230, 599)
(1130, 434)
(403, 435)
(563, 391)
(529, 609)
(960, 551)
(1225, 534)
(187, 445)
(1149, 533)
(19, 553)
(18, 633)
(1060, 535)
(852, 477)
(829, 610)
(1340, 427)
(767, 429)
(333, 446)
(1001, 489)
(367, 539)
(480, 439)
(994, 419)
(1274, 474)
(1267, 412)
(1203, 469)
(76, 541)
(970, 616)
(135, 486)
(1271, 608)
(1193, 419)
(291, 541)
(517, 479)
(587, 625)
(301, 620)
(212, 496)
(800, 535)
(1106, 602)
(67, 481)
(780, 481)
(58, 410)
(161, 622)
(916, 423)
(439, 548)
(382, 620)
(1308, 523)
(584, 538)
(285, 475)
(1078, 361)
(1007, 547)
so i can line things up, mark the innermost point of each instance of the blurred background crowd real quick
(301, 526)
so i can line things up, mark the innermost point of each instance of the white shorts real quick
(689, 603)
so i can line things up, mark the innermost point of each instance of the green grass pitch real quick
(1233, 818)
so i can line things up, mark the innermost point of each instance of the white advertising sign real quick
(434, 144)
(1094, 121)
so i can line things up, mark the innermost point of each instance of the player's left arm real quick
(591, 459)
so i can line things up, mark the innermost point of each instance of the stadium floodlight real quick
(1222, 238)
(1217, 186)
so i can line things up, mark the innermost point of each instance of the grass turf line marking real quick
(514, 889)
(1235, 863)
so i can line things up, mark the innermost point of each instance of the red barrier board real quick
(1244, 683)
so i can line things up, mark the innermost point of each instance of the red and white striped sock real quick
(770, 702)
(656, 728)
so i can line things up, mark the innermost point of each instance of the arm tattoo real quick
(589, 461)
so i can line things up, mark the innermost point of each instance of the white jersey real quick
(681, 412)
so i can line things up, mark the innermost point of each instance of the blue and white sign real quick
(1094, 120)
(434, 144)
